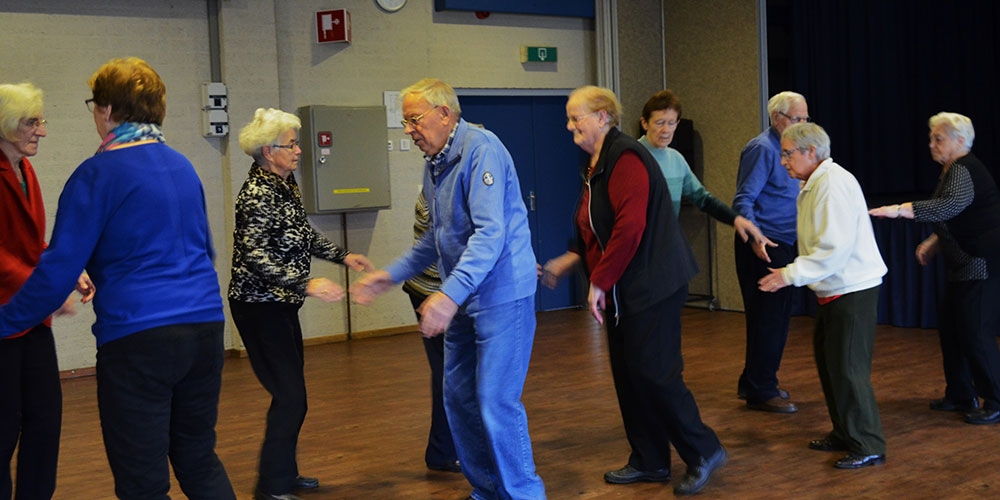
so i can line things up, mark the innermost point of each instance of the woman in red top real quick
(31, 401)
(639, 265)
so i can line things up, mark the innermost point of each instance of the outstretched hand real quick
(358, 262)
(370, 286)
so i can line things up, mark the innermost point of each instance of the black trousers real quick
(657, 408)
(842, 345)
(158, 395)
(969, 319)
(30, 413)
(767, 318)
(272, 336)
(440, 445)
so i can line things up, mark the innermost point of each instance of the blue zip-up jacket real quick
(479, 233)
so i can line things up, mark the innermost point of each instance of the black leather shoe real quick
(260, 495)
(629, 475)
(827, 444)
(453, 466)
(697, 476)
(945, 404)
(783, 394)
(856, 461)
(983, 417)
(306, 483)
(774, 405)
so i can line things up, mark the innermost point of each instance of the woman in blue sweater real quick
(133, 216)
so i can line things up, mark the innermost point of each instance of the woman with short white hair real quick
(839, 260)
(965, 210)
(273, 244)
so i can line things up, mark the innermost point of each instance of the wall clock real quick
(390, 5)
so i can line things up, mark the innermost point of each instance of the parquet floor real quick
(369, 408)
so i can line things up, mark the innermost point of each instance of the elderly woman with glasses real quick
(660, 117)
(965, 210)
(31, 405)
(134, 215)
(639, 265)
(272, 248)
(839, 260)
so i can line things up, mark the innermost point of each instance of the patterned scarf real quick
(129, 132)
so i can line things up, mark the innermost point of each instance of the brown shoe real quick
(774, 405)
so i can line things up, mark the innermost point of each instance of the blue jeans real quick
(486, 360)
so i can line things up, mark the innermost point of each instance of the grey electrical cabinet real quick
(345, 159)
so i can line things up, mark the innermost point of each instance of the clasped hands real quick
(436, 312)
(328, 291)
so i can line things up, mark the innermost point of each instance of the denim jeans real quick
(486, 361)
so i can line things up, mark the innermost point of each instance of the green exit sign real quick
(539, 54)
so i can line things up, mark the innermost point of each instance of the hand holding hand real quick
(370, 286)
(436, 313)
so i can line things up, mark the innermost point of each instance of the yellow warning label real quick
(352, 191)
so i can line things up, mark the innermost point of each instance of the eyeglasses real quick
(796, 119)
(413, 121)
(787, 153)
(579, 118)
(90, 104)
(290, 145)
(35, 123)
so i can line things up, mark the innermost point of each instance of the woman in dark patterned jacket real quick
(272, 249)
(965, 208)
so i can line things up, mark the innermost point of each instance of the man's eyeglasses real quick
(290, 145)
(796, 119)
(90, 104)
(35, 123)
(413, 121)
(787, 153)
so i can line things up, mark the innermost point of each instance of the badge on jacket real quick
(488, 179)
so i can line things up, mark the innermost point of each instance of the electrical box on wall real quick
(333, 26)
(214, 102)
(344, 162)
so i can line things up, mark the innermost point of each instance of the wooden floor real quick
(369, 409)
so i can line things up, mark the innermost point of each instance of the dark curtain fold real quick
(873, 72)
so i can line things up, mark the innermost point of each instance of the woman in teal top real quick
(660, 117)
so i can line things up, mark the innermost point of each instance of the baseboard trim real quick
(242, 353)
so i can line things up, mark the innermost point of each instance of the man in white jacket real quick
(840, 261)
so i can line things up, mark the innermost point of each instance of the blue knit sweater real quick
(135, 218)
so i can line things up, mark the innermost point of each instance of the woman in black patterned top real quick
(965, 208)
(273, 245)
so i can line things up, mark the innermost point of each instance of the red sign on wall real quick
(325, 139)
(333, 26)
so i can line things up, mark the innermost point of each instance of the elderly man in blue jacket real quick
(480, 240)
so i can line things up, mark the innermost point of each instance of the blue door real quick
(548, 166)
